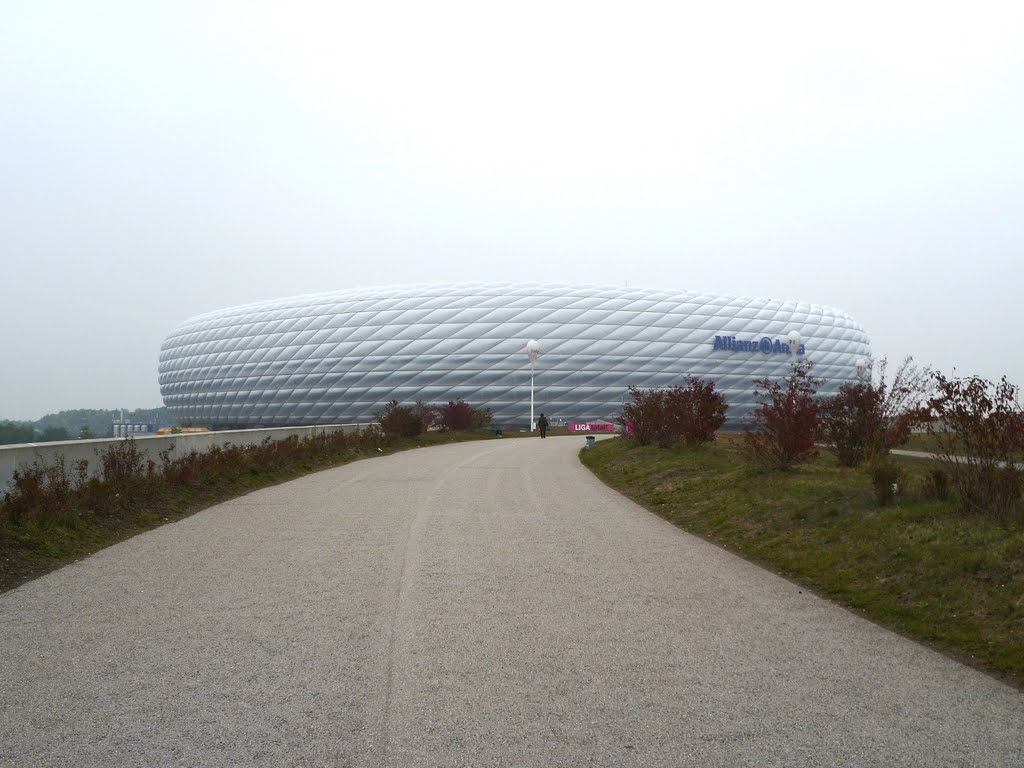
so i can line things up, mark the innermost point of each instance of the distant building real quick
(338, 357)
(120, 429)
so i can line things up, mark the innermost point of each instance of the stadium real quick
(338, 357)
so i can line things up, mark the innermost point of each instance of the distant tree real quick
(12, 432)
(99, 421)
(85, 433)
(51, 434)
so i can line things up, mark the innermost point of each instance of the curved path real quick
(479, 604)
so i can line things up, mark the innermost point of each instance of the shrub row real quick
(52, 492)
(978, 426)
(411, 420)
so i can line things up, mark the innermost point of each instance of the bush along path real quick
(53, 514)
(918, 565)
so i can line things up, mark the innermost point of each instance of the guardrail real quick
(73, 451)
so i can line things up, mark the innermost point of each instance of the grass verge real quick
(918, 567)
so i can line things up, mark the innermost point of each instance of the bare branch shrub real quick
(427, 414)
(482, 417)
(868, 419)
(42, 492)
(121, 461)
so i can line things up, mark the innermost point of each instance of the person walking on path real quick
(542, 425)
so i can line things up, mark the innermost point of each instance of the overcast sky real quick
(158, 160)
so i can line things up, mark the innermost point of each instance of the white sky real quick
(158, 160)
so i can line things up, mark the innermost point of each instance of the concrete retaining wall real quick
(25, 454)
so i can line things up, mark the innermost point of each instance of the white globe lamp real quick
(795, 340)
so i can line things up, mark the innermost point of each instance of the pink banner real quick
(599, 426)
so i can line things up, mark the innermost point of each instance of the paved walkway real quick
(480, 604)
(939, 456)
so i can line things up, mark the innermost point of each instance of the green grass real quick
(919, 566)
(922, 441)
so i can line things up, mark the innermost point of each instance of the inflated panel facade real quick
(338, 357)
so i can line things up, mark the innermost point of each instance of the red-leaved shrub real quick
(868, 419)
(693, 413)
(456, 415)
(783, 428)
(979, 428)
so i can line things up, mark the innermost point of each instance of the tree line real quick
(78, 423)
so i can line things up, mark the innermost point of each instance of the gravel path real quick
(479, 604)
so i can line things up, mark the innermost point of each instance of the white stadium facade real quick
(338, 357)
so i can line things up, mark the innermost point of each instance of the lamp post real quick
(532, 352)
(794, 339)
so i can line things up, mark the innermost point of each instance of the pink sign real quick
(596, 426)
